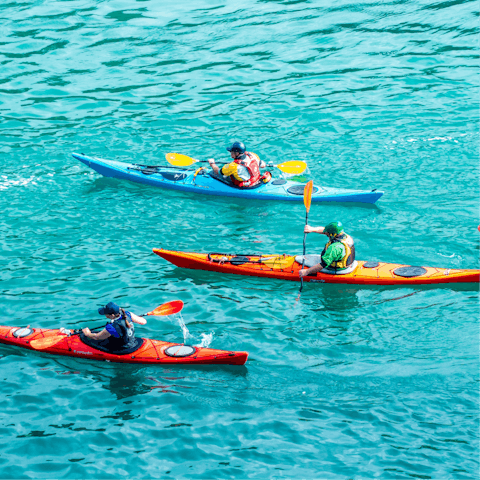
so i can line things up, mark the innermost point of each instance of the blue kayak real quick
(202, 181)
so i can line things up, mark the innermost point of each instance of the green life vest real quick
(349, 257)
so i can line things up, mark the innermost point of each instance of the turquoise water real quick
(350, 382)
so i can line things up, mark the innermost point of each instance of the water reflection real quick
(126, 380)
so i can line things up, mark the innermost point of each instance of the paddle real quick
(307, 200)
(293, 167)
(47, 342)
(166, 309)
(278, 261)
(272, 261)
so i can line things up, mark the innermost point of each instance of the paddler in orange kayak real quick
(338, 255)
(244, 171)
(118, 336)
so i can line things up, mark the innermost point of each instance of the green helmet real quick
(333, 228)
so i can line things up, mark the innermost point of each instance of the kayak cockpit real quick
(102, 345)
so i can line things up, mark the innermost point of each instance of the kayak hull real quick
(185, 180)
(363, 274)
(152, 352)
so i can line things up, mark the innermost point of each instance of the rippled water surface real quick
(350, 382)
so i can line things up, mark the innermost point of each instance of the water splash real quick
(206, 340)
(186, 333)
(188, 338)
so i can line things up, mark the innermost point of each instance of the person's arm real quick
(334, 252)
(214, 166)
(96, 336)
(261, 163)
(309, 229)
(311, 271)
(137, 319)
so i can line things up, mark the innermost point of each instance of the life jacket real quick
(126, 341)
(252, 163)
(126, 334)
(348, 258)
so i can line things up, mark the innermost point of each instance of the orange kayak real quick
(285, 267)
(151, 352)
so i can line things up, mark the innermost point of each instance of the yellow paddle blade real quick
(280, 262)
(47, 342)
(307, 194)
(294, 167)
(179, 160)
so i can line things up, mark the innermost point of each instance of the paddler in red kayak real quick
(244, 171)
(339, 252)
(118, 336)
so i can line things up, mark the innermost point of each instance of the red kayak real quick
(286, 267)
(151, 352)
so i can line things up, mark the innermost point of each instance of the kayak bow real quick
(200, 181)
(287, 268)
(151, 351)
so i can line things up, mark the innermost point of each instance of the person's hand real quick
(262, 164)
(308, 229)
(211, 161)
(86, 331)
(303, 272)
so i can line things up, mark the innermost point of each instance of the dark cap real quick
(109, 309)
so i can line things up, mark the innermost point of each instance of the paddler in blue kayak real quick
(118, 336)
(338, 256)
(244, 171)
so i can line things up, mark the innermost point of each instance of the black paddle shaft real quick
(304, 250)
(78, 331)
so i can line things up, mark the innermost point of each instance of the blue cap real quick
(109, 309)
